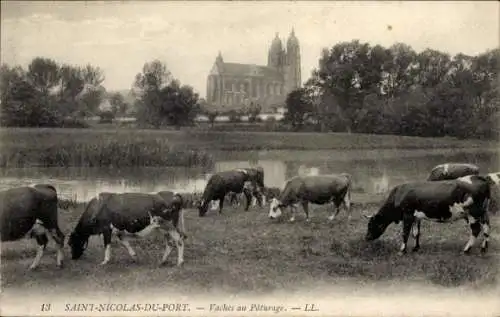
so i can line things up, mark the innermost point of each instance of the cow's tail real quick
(489, 206)
(181, 224)
(49, 219)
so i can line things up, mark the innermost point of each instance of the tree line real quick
(49, 94)
(356, 88)
(373, 89)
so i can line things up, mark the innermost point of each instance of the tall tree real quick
(299, 108)
(162, 100)
(44, 74)
(400, 70)
(433, 67)
(118, 104)
(72, 84)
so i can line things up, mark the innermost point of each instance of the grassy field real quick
(130, 147)
(245, 252)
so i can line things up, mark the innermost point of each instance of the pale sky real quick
(121, 36)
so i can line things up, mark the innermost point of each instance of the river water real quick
(372, 171)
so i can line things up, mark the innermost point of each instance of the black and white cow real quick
(437, 201)
(131, 215)
(32, 211)
(450, 171)
(222, 183)
(316, 189)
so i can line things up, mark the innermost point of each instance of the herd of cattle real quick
(453, 191)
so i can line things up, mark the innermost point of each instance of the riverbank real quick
(130, 147)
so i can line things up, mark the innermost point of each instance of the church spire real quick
(292, 42)
(219, 58)
(275, 56)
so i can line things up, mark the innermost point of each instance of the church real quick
(235, 86)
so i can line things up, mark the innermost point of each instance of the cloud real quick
(107, 23)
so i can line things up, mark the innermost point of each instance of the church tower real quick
(293, 78)
(275, 57)
(214, 81)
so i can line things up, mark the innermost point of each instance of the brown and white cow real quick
(316, 189)
(32, 212)
(131, 215)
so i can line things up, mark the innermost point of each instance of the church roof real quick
(250, 70)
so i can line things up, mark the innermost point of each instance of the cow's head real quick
(202, 206)
(377, 224)
(78, 242)
(275, 209)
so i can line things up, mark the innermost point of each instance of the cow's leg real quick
(221, 204)
(259, 196)
(179, 243)
(173, 237)
(106, 235)
(248, 196)
(58, 237)
(254, 201)
(293, 209)
(263, 200)
(41, 240)
(407, 224)
(233, 199)
(335, 210)
(347, 205)
(475, 228)
(305, 206)
(416, 235)
(168, 248)
(486, 232)
(124, 241)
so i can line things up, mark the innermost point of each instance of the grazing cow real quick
(130, 215)
(440, 201)
(450, 171)
(31, 210)
(222, 183)
(316, 189)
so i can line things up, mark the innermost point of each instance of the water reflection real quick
(369, 175)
